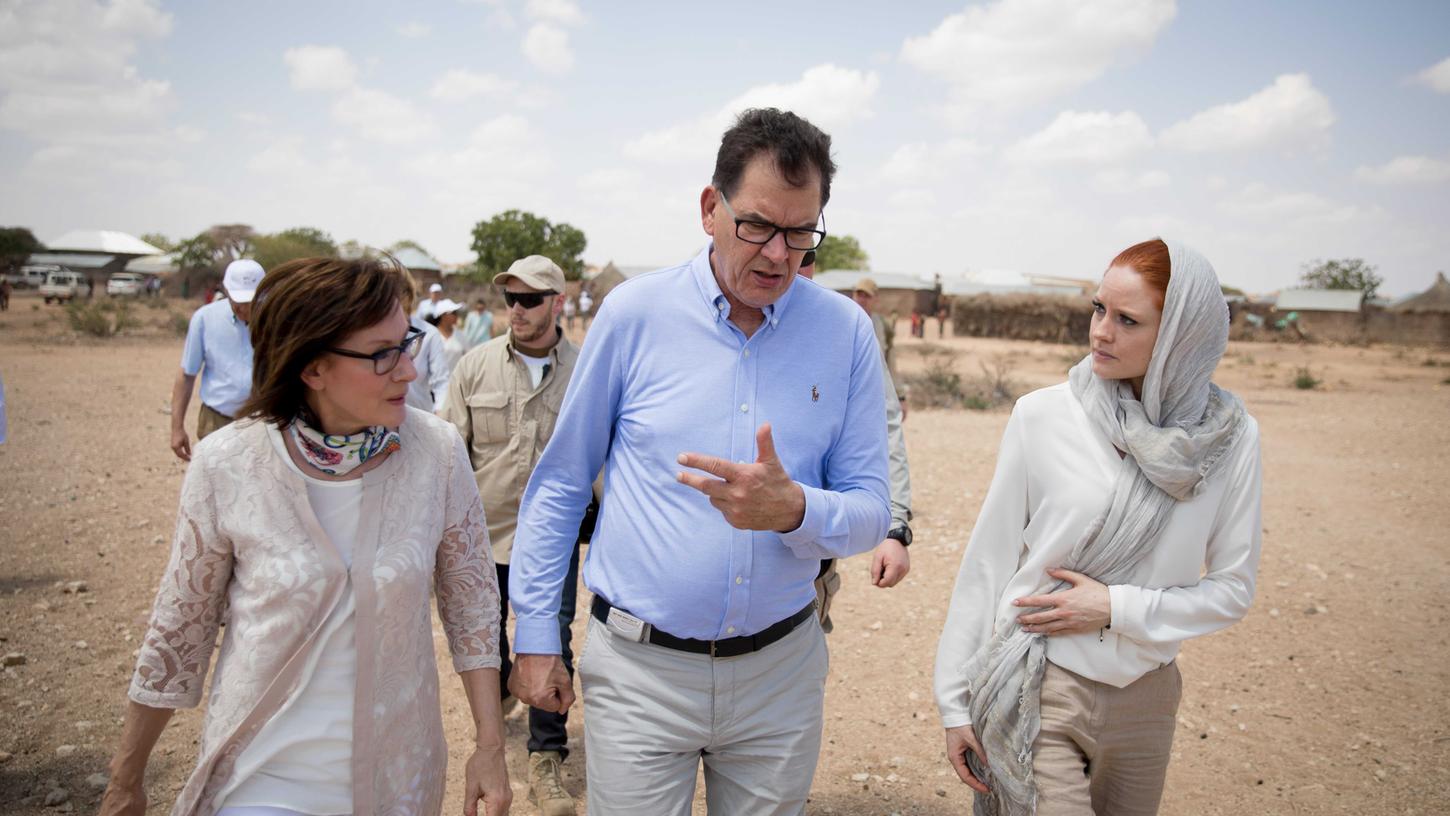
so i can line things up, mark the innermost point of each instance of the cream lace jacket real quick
(249, 547)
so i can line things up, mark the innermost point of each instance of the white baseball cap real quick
(242, 279)
(437, 287)
(447, 305)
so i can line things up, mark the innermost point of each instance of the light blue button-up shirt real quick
(664, 372)
(219, 347)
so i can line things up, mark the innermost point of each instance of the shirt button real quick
(744, 409)
(730, 630)
(739, 579)
(747, 353)
(720, 306)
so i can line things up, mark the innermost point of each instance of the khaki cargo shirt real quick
(506, 422)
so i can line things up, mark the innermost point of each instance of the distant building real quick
(896, 293)
(96, 254)
(610, 276)
(1434, 299)
(1349, 301)
(424, 267)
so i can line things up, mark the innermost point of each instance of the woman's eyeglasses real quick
(385, 360)
(528, 300)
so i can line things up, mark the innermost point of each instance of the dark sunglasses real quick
(528, 300)
(386, 360)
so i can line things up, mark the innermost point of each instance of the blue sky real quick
(1034, 135)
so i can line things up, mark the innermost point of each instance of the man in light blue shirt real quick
(736, 412)
(219, 348)
(427, 391)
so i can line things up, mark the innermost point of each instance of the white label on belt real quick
(626, 625)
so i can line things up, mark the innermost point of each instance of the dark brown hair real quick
(303, 307)
(797, 146)
(1149, 259)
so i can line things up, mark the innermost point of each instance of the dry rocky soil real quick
(1330, 697)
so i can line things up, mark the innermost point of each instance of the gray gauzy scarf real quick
(1173, 439)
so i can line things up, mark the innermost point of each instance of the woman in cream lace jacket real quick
(317, 529)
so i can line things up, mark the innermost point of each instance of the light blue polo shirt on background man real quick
(219, 347)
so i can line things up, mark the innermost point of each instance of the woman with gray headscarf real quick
(1123, 519)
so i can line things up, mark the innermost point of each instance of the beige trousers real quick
(652, 716)
(1103, 749)
(209, 420)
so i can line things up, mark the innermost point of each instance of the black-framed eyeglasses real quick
(760, 232)
(385, 360)
(528, 300)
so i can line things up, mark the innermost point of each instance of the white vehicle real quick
(126, 284)
(62, 286)
(31, 277)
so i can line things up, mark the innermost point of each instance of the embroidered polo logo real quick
(815, 394)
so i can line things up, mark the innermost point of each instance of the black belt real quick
(729, 647)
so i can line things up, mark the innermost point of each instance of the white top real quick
(1054, 476)
(454, 347)
(301, 759)
(426, 392)
(536, 367)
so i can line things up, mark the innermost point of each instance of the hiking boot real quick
(546, 788)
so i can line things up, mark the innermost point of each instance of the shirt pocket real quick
(488, 411)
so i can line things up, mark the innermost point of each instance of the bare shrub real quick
(100, 318)
(1305, 380)
(942, 386)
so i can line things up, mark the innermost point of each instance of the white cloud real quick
(1436, 77)
(1407, 170)
(547, 47)
(66, 73)
(1291, 113)
(1088, 137)
(414, 30)
(380, 116)
(921, 162)
(320, 68)
(459, 84)
(563, 12)
(1119, 180)
(504, 148)
(1271, 207)
(828, 95)
(1015, 53)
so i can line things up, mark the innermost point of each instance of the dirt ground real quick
(1330, 697)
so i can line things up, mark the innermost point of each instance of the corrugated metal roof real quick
(1319, 300)
(116, 243)
(844, 280)
(414, 259)
(964, 288)
(155, 264)
(71, 260)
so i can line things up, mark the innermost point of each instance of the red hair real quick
(1150, 260)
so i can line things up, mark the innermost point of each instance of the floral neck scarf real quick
(337, 455)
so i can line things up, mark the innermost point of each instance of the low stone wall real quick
(1045, 318)
(1371, 325)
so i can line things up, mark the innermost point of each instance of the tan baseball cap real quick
(866, 285)
(535, 271)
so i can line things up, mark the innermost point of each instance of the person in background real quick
(219, 349)
(478, 324)
(586, 307)
(5, 290)
(941, 320)
(890, 561)
(319, 528)
(427, 391)
(504, 398)
(865, 295)
(571, 308)
(427, 308)
(1123, 519)
(445, 320)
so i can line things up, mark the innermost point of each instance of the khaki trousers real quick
(652, 715)
(1102, 749)
(209, 420)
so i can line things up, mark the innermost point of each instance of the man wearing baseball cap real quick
(504, 398)
(429, 308)
(219, 348)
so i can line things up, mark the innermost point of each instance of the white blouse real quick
(301, 760)
(1054, 476)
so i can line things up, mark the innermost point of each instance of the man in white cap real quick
(504, 397)
(429, 307)
(219, 348)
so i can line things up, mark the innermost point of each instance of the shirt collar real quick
(553, 350)
(715, 299)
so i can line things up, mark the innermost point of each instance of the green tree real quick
(159, 241)
(1344, 273)
(841, 252)
(299, 242)
(515, 234)
(16, 244)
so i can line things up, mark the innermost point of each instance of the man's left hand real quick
(1083, 608)
(759, 496)
(890, 562)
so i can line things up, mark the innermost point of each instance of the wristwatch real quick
(902, 534)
